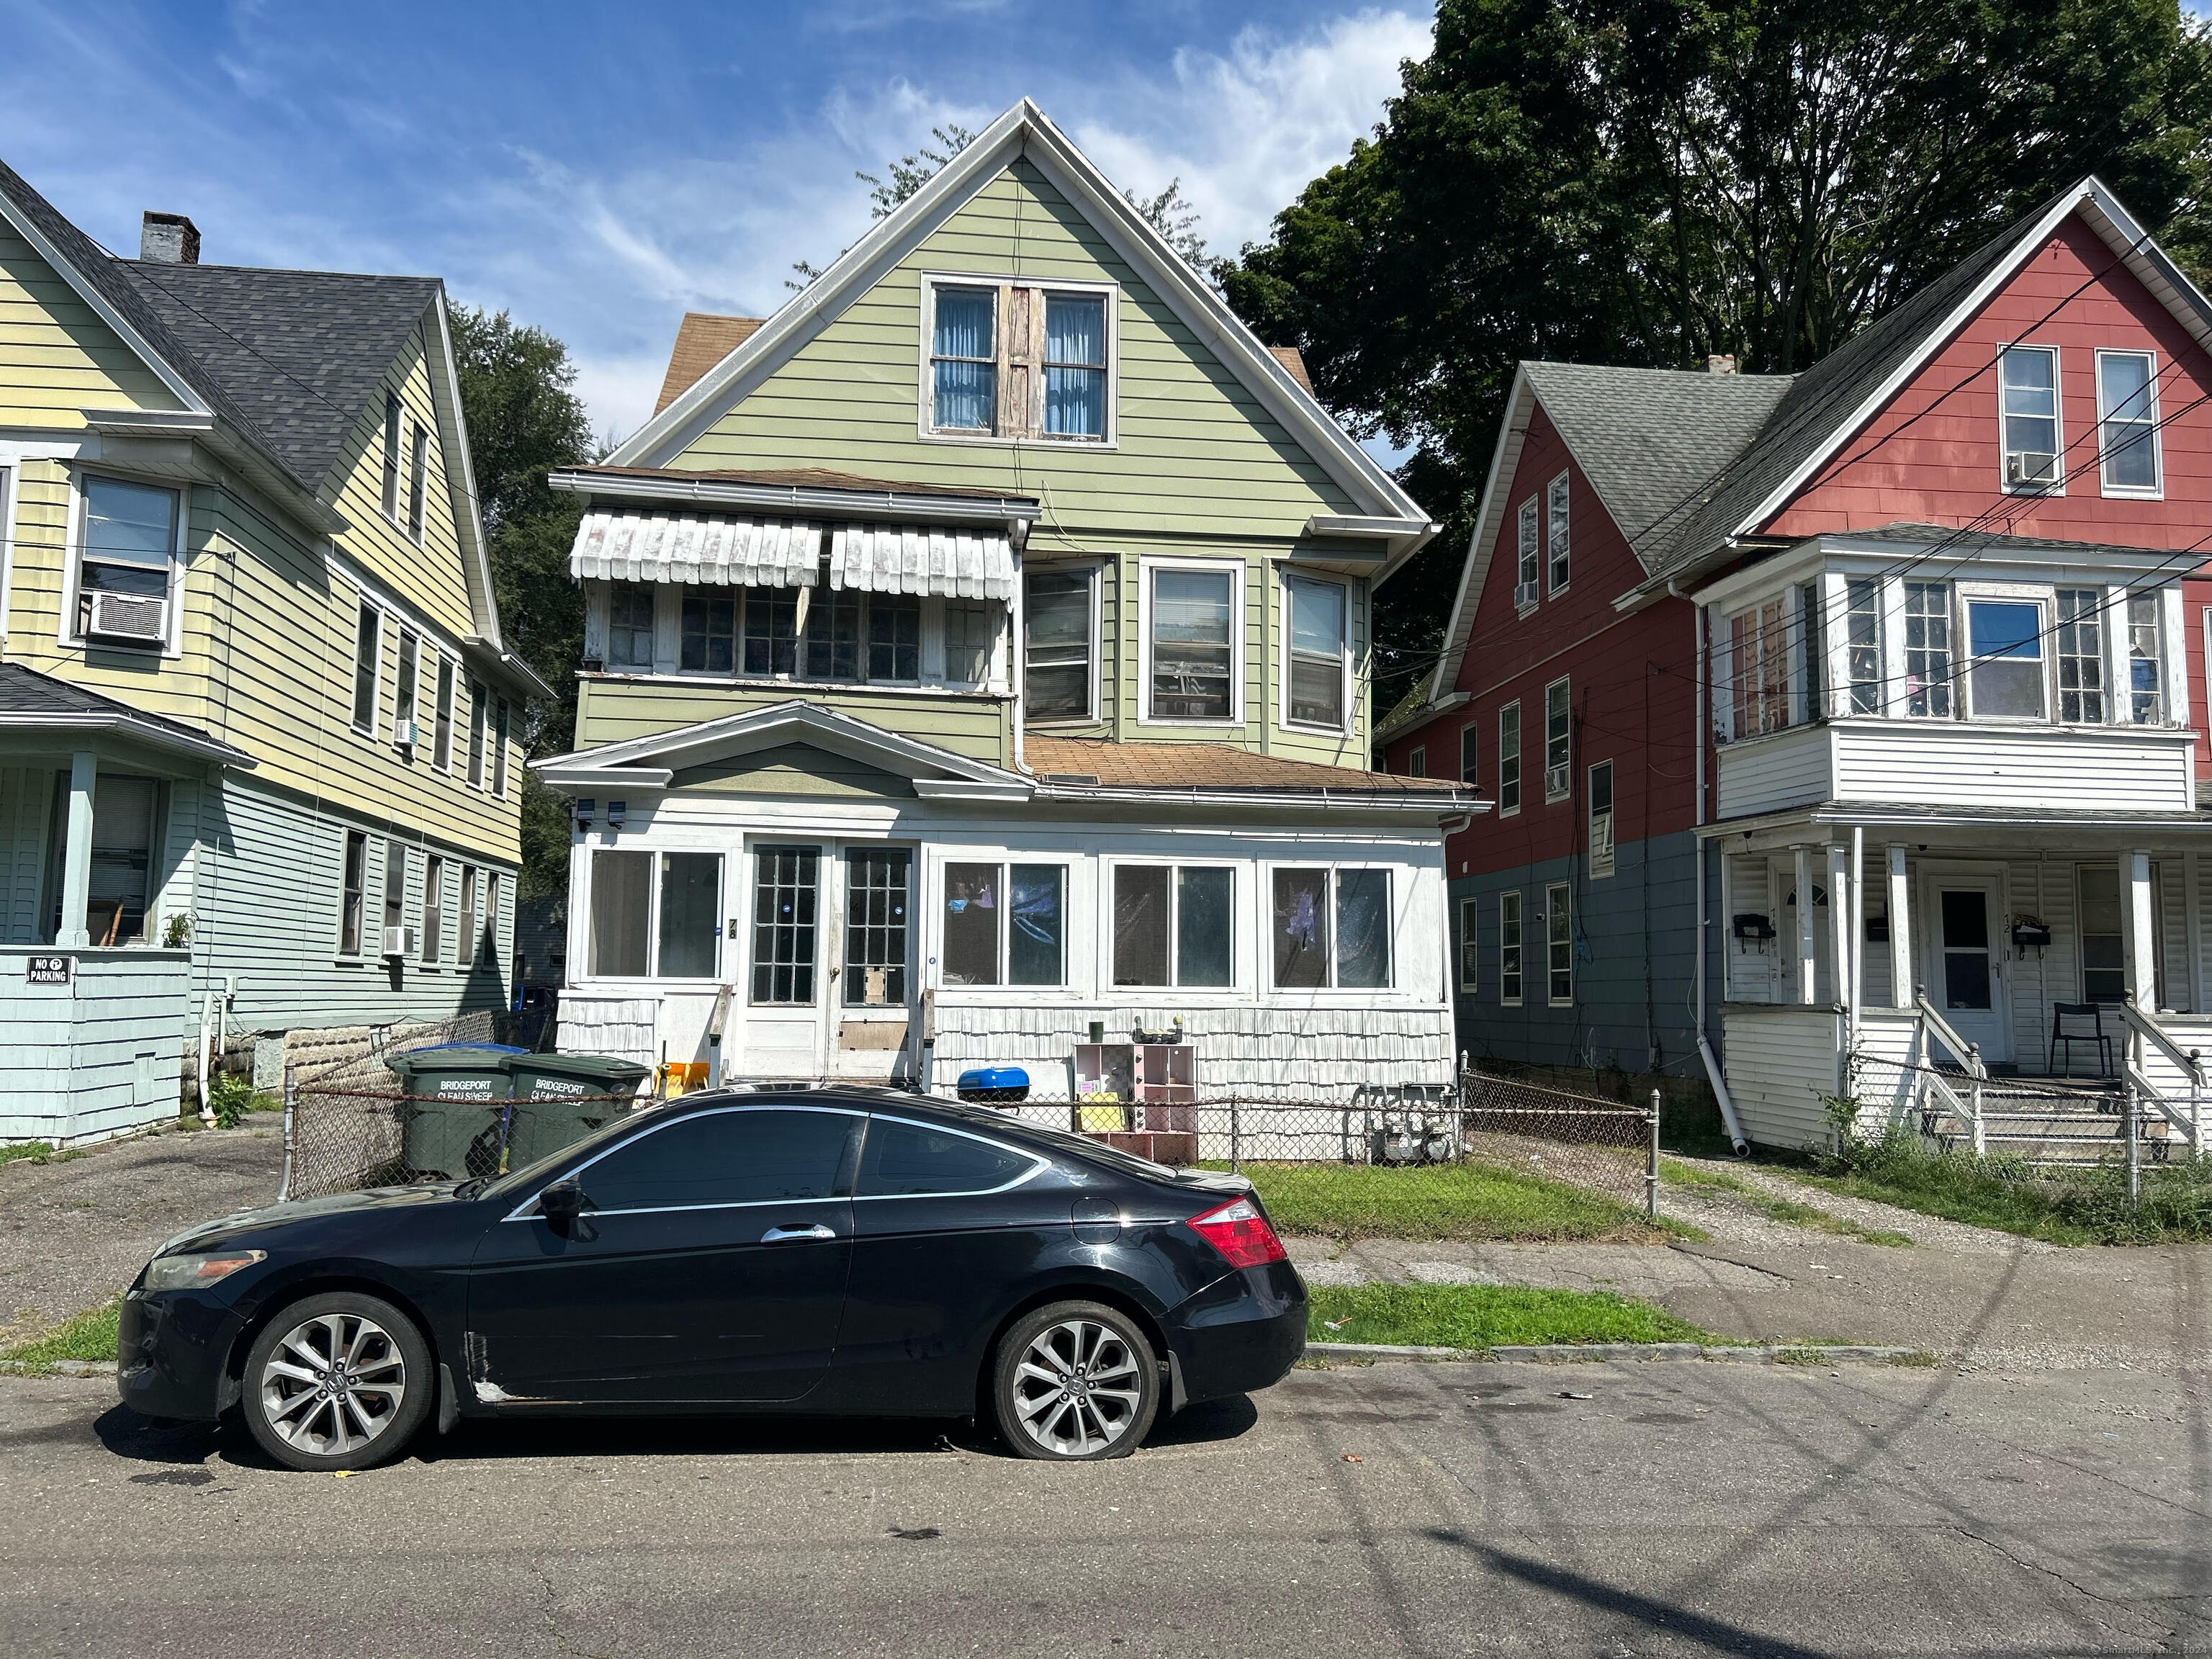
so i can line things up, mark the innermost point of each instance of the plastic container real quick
(994, 1085)
(451, 1129)
(561, 1098)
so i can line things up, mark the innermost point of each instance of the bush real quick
(230, 1098)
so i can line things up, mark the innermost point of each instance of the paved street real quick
(1682, 1508)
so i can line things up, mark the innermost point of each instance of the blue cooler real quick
(994, 1085)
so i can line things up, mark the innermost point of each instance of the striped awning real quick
(905, 558)
(712, 549)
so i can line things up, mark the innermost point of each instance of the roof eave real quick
(800, 499)
(153, 735)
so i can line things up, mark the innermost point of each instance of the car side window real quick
(905, 1160)
(721, 1158)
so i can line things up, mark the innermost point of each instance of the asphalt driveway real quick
(1642, 1509)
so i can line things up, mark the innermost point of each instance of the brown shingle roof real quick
(1202, 766)
(803, 477)
(1294, 360)
(702, 340)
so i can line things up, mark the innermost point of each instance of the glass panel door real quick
(1966, 964)
(784, 892)
(879, 905)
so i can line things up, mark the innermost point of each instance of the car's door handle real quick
(794, 1234)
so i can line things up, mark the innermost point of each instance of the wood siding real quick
(1780, 1062)
(615, 710)
(95, 1058)
(56, 358)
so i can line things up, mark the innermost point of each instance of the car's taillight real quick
(1240, 1232)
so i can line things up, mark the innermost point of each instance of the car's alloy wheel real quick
(1076, 1383)
(337, 1382)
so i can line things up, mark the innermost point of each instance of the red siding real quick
(1929, 459)
(1631, 685)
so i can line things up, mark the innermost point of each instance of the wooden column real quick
(2139, 923)
(76, 850)
(1839, 923)
(1809, 970)
(1900, 930)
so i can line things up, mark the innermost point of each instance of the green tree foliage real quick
(525, 418)
(1649, 181)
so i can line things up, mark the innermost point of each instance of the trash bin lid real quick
(461, 1057)
(592, 1068)
(995, 1076)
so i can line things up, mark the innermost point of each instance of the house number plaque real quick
(50, 970)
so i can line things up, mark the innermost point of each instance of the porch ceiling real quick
(1976, 826)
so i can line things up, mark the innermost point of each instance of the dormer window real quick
(2028, 378)
(1017, 362)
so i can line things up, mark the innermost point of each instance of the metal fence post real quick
(2135, 1146)
(1235, 1139)
(291, 1131)
(1651, 1165)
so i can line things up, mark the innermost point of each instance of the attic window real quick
(2029, 412)
(1018, 363)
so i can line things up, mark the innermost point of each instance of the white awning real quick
(907, 558)
(709, 549)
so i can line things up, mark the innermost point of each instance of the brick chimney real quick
(168, 238)
(1721, 363)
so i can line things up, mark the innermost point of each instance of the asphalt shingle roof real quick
(1203, 766)
(26, 691)
(302, 353)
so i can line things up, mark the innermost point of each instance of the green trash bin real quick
(451, 1129)
(561, 1098)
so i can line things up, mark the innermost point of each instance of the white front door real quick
(1966, 962)
(784, 985)
(871, 992)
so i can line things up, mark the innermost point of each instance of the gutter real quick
(806, 501)
(158, 737)
(1442, 800)
(498, 658)
(1740, 1146)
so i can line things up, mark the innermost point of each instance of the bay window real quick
(2028, 415)
(1192, 639)
(1058, 676)
(1320, 664)
(1004, 924)
(1331, 928)
(1759, 668)
(2004, 679)
(2127, 422)
(1927, 650)
(1172, 925)
(1863, 646)
(2146, 684)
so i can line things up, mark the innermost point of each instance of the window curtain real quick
(1075, 366)
(964, 329)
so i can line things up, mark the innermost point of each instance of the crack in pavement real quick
(2119, 1604)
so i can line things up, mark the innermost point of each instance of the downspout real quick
(1697, 971)
(1018, 535)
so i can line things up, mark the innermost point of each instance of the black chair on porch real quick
(2078, 1022)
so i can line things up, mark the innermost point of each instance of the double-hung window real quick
(2081, 656)
(2146, 686)
(1058, 677)
(1529, 533)
(391, 432)
(2004, 677)
(441, 747)
(1417, 761)
(499, 749)
(479, 715)
(1601, 818)
(1508, 950)
(1555, 534)
(465, 922)
(1075, 365)
(2127, 422)
(1759, 664)
(368, 652)
(353, 892)
(1927, 671)
(1005, 924)
(434, 909)
(963, 359)
(1508, 759)
(1863, 643)
(1470, 754)
(1193, 618)
(1331, 928)
(418, 479)
(629, 624)
(652, 914)
(126, 561)
(404, 693)
(1559, 741)
(1172, 925)
(1321, 667)
(2028, 412)
(1470, 953)
(1559, 944)
(395, 896)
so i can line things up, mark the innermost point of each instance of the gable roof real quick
(300, 353)
(702, 340)
(1687, 471)
(30, 701)
(1025, 133)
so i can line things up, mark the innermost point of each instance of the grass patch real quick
(1486, 1316)
(90, 1335)
(1674, 1173)
(27, 1151)
(1800, 1356)
(1465, 1201)
(1696, 1177)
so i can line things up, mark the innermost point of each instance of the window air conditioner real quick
(142, 618)
(1555, 782)
(1525, 594)
(2030, 467)
(399, 941)
(405, 733)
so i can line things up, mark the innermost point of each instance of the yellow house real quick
(256, 724)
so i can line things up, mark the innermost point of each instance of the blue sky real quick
(599, 169)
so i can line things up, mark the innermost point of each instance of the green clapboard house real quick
(977, 649)
(254, 710)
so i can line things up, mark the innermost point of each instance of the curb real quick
(57, 1367)
(1772, 1353)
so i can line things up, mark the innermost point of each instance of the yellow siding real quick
(57, 357)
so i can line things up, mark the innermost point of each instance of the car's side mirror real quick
(562, 1202)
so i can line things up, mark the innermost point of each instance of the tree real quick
(524, 418)
(1652, 181)
(1171, 214)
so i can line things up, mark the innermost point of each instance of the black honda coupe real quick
(829, 1251)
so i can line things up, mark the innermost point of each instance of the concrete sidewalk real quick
(75, 1232)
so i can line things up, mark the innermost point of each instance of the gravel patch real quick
(1724, 1214)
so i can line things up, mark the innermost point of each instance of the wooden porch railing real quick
(2145, 1032)
(1966, 1108)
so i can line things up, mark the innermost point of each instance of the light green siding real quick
(794, 768)
(612, 710)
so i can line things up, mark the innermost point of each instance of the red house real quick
(1844, 727)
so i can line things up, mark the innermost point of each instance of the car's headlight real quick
(181, 1273)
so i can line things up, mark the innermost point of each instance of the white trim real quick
(1520, 758)
(1489, 525)
(1109, 866)
(1550, 1001)
(10, 471)
(1565, 682)
(73, 556)
(1287, 651)
(1558, 492)
(1237, 574)
(1401, 893)
(2059, 468)
(1024, 132)
(1965, 594)
(930, 281)
(2152, 492)
(936, 857)
(1520, 945)
(1468, 946)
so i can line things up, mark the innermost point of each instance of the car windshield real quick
(520, 1180)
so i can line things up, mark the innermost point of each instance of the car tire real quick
(1075, 1382)
(311, 1414)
